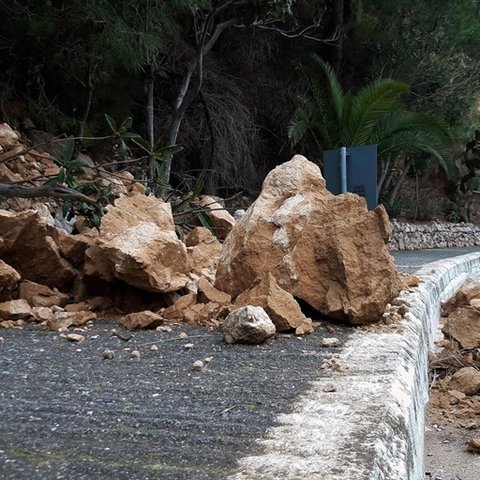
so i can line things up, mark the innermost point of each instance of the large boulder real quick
(138, 245)
(463, 325)
(28, 246)
(9, 279)
(328, 250)
(221, 219)
(248, 325)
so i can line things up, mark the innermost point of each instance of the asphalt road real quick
(67, 413)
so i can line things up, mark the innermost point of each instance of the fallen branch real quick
(55, 191)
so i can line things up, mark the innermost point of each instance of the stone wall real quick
(413, 236)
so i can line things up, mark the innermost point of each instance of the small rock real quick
(163, 328)
(207, 360)
(474, 445)
(182, 335)
(12, 323)
(75, 337)
(198, 365)
(188, 346)
(248, 325)
(154, 348)
(108, 354)
(1, 339)
(466, 380)
(135, 354)
(330, 342)
(330, 387)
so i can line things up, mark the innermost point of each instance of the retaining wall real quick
(416, 236)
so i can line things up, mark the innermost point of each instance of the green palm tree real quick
(375, 115)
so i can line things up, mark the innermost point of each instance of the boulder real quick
(325, 249)
(221, 219)
(463, 324)
(177, 310)
(466, 380)
(15, 310)
(29, 247)
(469, 291)
(248, 325)
(128, 212)
(208, 293)
(8, 137)
(141, 320)
(42, 314)
(279, 305)
(139, 246)
(203, 250)
(9, 279)
(40, 295)
(149, 258)
(60, 321)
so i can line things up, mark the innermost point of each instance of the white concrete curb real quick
(372, 426)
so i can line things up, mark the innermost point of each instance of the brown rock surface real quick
(149, 258)
(279, 305)
(466, 380)
(9, 279)
(62, 320)
(203, 250)
(40, 295)
(8, 137)
(469, 290)
(139, 246)
(327, 250)
(30, 249)
(208, 293)
(141, 320)
(463, 324)
(220, 217)
(15, 310)
(177, 310)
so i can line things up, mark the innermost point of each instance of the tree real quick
(375, 115)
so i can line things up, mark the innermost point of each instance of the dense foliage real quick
(223, 79)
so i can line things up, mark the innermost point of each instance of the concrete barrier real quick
(372, 425)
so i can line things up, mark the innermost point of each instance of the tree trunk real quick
(399, 184)
(337, 9)
(150, 84)
(86, 113)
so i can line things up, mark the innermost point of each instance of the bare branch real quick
(55, 191)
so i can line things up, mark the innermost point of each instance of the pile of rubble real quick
(455, 369)
(296, 245)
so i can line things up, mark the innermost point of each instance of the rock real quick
(135, 354)
(108, 354)
(203, 250)
(248, 325)
(177, 310)
(330, 342)
(75, 337)
(411, 281)
(42, 314)
(77, 307)
(12, 324)
(73, 247)
(9, 279)
(208, 293)
(128, 212)
(463, 324)
(475, 303)
(149, 258)
(198, 365)
(41, 296)
(15, 310)
(154, 348)
(326, 249)
(188, 346)
(164, 328)
(8, 137)
(141, 320)
(474, 445)
(29, 247)
(466, 380)
(220, 217)
(139, 246)
(469, 290)
(62, 320)
(182, 335)
(279, 305)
